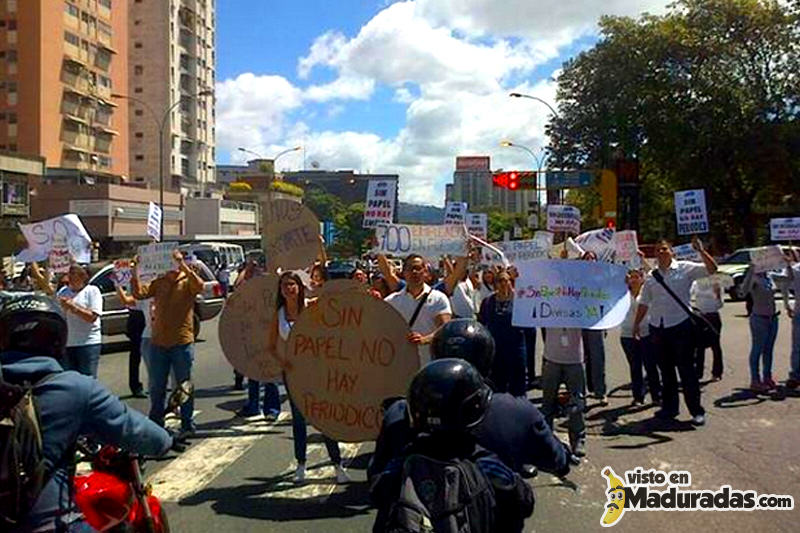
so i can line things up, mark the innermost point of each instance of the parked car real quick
(338, 269)
(213, 254)
(115, 315)
(735, 266)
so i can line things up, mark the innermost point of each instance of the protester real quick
(671, 329)
(223, 276)
(763, 327)
(446, 399)
(360, 276)
(33, 335)
(83, 305)
(291, 303)
(424, 309)
(638, 351)
(487, 283)
(508, 370)
(138, 321)
(793, 276)
(172, 342)
(708, 300)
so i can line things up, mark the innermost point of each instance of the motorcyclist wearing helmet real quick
(447, 399)
(33, 335)
(513, 427)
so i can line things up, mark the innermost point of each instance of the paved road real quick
(236, 476)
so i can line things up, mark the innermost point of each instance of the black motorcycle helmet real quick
(32, 323)
(467, 339)
(447, 395)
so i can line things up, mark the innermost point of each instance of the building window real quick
(137, 45)
(12, 25)
(137, 22)
(11, 6)
(139, 135)
(11, 56)
(70, 9)
(138, 70)
(139, 157)
(12, 118)
(104, 81)
(137, 90)
(138, 112)
(72, 39)
(106, 3)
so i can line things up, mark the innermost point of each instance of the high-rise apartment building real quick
(60, 62)
(172, 59)
(472, 183)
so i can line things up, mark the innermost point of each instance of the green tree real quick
(705, 96)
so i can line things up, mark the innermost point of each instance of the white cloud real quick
(451, 62)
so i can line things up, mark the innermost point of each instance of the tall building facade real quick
(172, 58)
(60, 62)
(472, 183)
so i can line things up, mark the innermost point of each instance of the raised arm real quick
(387, 270)
(456, 274)
(708, 260)
(126, 299)
(40, 279)
(195, 281)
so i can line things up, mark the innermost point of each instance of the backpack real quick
(23, 472)
(443, 497)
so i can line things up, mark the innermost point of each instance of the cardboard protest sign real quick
(154, 215)
(516, 251)
(564, 218)
(478, 224)
(122, 271)
(455, 213)
(290, 235)
(60, 258)
(570, 294)
(598, 241)
(155, 260)
(767, 258)
(244, 328)
(690, 210)
(784, 229)
(431, 242)
(544, 237)
(345, 356)
(40, 237)
(344, 285)
(685, 252)
(379, 208)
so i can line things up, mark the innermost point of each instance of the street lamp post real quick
(161, 125)
(539, 165)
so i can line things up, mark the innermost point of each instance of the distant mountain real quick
(419, 214)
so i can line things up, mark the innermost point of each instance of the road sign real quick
(567, 179)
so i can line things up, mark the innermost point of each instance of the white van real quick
(214, 254)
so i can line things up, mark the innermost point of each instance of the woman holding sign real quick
(292, 302)
(83, 305)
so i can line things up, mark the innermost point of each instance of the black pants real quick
(640, 356)
(530, 347)
(135, 327)
(674, 348)
(711, 341)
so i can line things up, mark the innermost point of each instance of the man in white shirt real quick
(434, 306)
(671, 330)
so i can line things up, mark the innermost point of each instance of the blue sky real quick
(401, 87)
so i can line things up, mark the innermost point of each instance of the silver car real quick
(115, 315)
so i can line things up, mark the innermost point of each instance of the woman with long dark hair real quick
(291, 302)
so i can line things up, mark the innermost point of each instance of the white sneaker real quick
(341, 475)
(698, 420)
(300, 473)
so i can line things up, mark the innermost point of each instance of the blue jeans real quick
(764, 330)
(162, 360)
(272, 398)
(553, 375)
(300, 433)
(83, 359)
(794, 372)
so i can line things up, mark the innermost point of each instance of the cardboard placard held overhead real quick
(59, 258)
(564, 218)
(379, 208)
(244, 328)
(767, 258)
(431, 242)
(155, 260)
(345, 356)
(784, 229)
(122, 271)
(290, 235)
(690, 211)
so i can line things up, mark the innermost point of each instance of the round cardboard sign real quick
(290, 235)
(346, 354)
(244, 328)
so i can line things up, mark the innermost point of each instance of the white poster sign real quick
(690, 210)
(40, 237)
(598, 241)
(455, 213)
(379, 208)
(154, 215)
(767, 258)
(122, 271)
(570, 294)
(516, 251)
(478, 224)
(544, 237)
(431, 242)
(60, 259)
(784, 229)
(685, 252)
(155, 260)
(564, 218)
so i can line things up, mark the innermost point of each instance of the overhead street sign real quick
(568, 179)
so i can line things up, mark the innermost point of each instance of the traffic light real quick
(515, 180)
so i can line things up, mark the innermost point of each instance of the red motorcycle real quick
(113, 496)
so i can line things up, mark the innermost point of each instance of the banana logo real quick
(616, 499)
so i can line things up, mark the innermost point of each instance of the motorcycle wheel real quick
(129, 528)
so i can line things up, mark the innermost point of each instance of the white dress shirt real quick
(436, 304)
(663, 309)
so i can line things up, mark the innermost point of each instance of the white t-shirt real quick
(436, 304)
(704, 297)
(463, 299)
(80, 332)
(626, 328)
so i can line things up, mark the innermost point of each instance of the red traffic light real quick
(513, 181)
